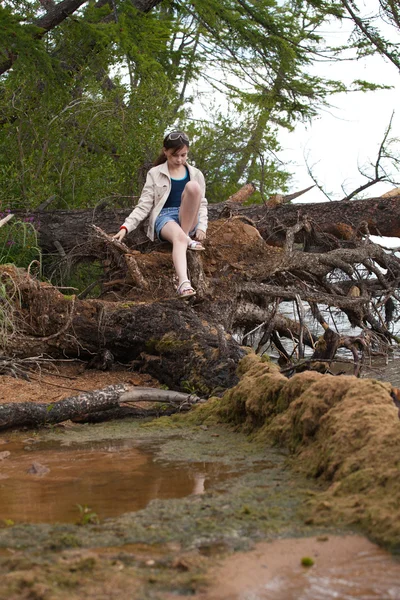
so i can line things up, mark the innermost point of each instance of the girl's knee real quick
(192, 187)
(180, 237)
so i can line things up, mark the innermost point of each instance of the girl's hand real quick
(200, 235)
(118, 237)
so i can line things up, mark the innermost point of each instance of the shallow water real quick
(111, 477)
(119, 475)
(377, 367)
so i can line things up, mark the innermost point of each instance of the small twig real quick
(315, 360)
(5, 220)
(88, 289)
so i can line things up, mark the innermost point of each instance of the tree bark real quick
(342, 221)
(167, 339)
(28, 413)
(240, 280)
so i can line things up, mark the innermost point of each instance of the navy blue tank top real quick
(177, 187)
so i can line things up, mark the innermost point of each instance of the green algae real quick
(169, 343)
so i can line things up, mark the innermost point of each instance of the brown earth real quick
(63, 379)
(274, 570)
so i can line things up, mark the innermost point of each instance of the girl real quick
(173, 196)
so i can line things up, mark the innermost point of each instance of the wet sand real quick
(345, 567)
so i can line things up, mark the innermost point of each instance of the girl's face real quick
(175, 158)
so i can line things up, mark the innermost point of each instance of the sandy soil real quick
(62, 379)
(345, 566)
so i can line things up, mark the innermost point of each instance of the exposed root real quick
(241, 283)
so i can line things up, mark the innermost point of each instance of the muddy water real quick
(109, 477)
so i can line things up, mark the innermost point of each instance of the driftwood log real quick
(111, 402)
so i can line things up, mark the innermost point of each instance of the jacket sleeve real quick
(203, 212)
(143, 207)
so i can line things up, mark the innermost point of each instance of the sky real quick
(347, 135)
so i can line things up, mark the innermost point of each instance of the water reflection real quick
(110, 478)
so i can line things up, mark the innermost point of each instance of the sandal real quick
(194, 245)
(185, 292)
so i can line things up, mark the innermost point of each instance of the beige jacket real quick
(154, 195)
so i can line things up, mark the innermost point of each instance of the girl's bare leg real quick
(190, 206)
(173, 233)
(177, 235)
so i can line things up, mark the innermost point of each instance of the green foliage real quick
(86, 515)
(84, 108)
(19, 38)
(8, 522)
(81, 150)
(368, 86)
(227, 137)
(79, 276)
(307, 561)
(93, 134)
(18, 246)
(8, 292)
(18, 242)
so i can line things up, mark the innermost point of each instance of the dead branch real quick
(130, 260)
(5, 220)
(277, 199)
(243, 194)
(304, 224)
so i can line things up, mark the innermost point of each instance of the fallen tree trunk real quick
(92, 406)
(30, 414)
(167, 338)
(240, 280)
(62, 230)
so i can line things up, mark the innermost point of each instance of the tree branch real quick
(57, 13)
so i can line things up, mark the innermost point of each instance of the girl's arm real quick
(141, 210)
(203, 211)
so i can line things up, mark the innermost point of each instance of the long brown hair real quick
(179, 140)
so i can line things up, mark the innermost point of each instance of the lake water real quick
(377, 367)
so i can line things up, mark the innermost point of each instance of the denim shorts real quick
(166, 215)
